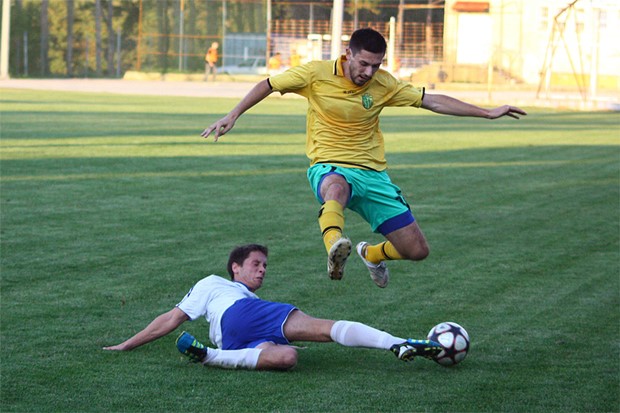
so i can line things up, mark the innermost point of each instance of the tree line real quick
(105, 38)
(102, 38)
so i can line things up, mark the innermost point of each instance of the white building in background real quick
(551, 43)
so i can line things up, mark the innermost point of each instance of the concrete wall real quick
(521, 39)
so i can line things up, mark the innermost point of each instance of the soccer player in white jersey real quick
(345, 146)
(252, 333)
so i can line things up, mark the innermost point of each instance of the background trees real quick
(87, 38)
(72, 37)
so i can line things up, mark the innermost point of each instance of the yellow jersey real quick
(342, 125)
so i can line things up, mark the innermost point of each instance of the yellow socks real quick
(382, 252)
(331, 222)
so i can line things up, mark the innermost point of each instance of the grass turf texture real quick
(113, 206)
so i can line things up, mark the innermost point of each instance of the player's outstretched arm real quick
(447, 105)
(159, 327)
(259, 92)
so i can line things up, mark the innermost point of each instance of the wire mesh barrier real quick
(258, 37)
(106, 38)
(567, 44)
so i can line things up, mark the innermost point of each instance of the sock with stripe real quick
(384, 251)
(331, 222)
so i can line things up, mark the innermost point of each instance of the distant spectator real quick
(275, 61)
(442, 75)
(211, 61)
(295, 59)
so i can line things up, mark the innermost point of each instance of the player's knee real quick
(277, 357)
(417, 252)
(422, 253)
(335, 187)
(287, 358)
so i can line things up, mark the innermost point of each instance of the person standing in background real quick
(211, 61)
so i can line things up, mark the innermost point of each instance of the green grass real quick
(113, 206)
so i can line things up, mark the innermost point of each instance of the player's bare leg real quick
(410, 242)
(302, 327)
(299, 326)
(276, 357)
(405, 243)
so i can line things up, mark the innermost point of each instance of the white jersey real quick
(211, 297)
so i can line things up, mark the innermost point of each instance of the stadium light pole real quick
(4, 53)
(223, 42)
(268, 48)
(181, 24)
(595, 27)
(391, 49)
(138, 64)
(337, 13)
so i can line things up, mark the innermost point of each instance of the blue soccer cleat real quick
(192, 348)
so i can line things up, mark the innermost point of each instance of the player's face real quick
(363, 65)
(253, 270)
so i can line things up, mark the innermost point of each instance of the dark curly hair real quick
(367, 39)
(239, 254)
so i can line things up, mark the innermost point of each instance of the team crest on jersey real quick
(367, 100)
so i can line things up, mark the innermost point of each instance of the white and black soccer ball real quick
(454, 340)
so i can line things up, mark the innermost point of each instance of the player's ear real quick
(235, 269)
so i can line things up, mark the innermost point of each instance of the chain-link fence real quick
(106, 38)
(256, 37)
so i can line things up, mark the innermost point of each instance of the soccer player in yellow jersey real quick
(346, 150)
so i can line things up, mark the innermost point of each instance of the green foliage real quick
(159, 42)
(111, 207)
(26, 19)
(150, 31)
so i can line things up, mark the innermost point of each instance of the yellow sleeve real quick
(294, 80)
(406, 95)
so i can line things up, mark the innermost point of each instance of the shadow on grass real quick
(114, 125)
(205, 166)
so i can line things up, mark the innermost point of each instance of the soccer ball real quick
(454, 340)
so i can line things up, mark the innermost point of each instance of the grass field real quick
(112, 207)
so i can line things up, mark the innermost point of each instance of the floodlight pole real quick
(596, 21)
(337, 13)
(138, 57)
(391, 48)
(223, 42)
(181, 24)
(268, 23)
(4, 53)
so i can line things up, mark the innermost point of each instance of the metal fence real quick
(85, 38)
(250, 32)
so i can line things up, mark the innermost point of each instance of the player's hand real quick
(219, 128)
(118, 347)
(506, 110)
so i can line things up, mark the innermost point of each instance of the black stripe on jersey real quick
(348, 163)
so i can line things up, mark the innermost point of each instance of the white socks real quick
(354, 334)
(246, 358)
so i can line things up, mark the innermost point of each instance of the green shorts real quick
(373, 196)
